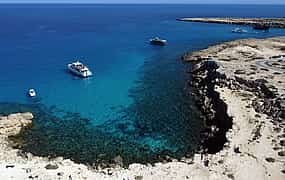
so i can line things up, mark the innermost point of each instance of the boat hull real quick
(159, 43)
(32, 95)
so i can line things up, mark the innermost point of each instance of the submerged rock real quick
(118, 160)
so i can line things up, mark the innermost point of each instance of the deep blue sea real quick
(137, 104)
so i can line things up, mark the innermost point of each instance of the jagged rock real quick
(138, 177)
(204, 78)
(281, 153)
(269, 159)
(60, 173)
(27, 116)
(206, 163)
(10, 166)
(28, 170)
(282, 142)
(256, 85)
(231, 176)
(51, 166)
(276, 148)
(12, 124)
(264, 69)
(239, 71)
(203, 66)
(236, 150)
(262, 81)
(277, 129)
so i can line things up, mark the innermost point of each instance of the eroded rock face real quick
(12, 124)
(205, 78)
(253, 65)
(218, 122)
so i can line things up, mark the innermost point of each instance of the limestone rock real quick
(51, 166)
(12, 124)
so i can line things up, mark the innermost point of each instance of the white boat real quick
(32, 93)
(158, 41)
(239, 30)
(79, 69)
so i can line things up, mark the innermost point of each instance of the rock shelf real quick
(271, 22)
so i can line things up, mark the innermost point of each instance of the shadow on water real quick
(162, 121)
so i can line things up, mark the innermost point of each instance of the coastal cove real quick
(255, 147)
(138, 108)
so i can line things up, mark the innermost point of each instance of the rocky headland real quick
(271, 22)
(248, 76)
(239, 88)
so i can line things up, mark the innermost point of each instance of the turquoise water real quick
(137, 104)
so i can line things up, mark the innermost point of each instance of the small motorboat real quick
(32, 93)
(79, 69)
(239, 30)
(158, 41)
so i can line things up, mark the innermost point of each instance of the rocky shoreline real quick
(271, 22)
(239, 88)
(204, 79)
(213, 108)
(233, 67)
